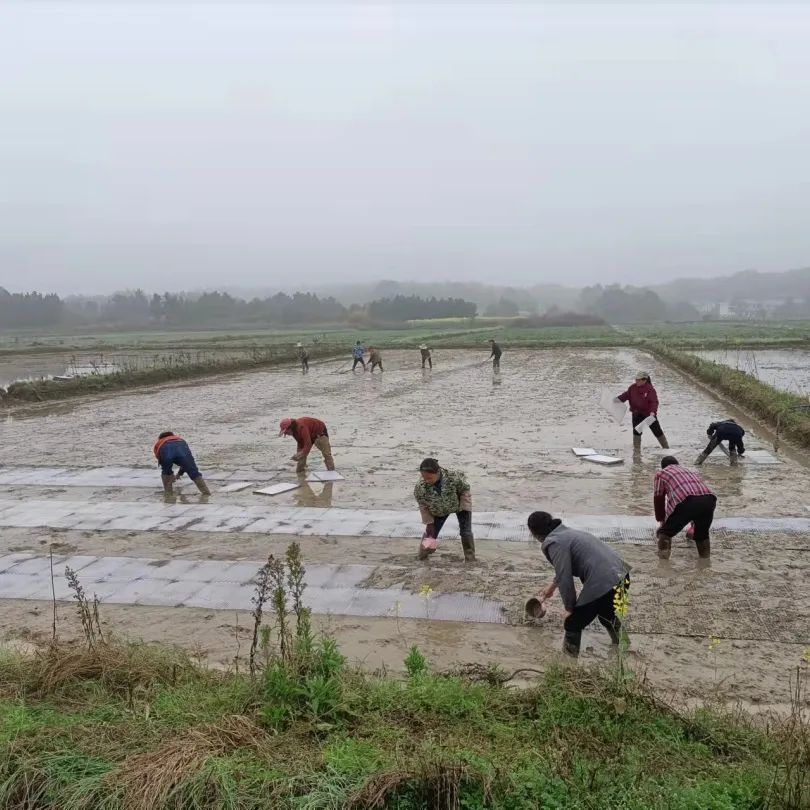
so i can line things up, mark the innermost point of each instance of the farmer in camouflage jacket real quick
(439, 494)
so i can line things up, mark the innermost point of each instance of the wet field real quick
(512, 433)
(785, 369)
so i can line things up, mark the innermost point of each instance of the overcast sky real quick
(176, 145)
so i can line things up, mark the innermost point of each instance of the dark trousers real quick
(735, 444)
(655, 427)
(375, 364)
(304, 365)
(360, 361)
(697, 509)
(464, 524)
(496, 363)
(427, 360)
(603, 609)
(178, 453)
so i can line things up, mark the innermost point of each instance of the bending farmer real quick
(357, 353)
(726, 431)
(171, 450)
(643, 401)
(679, 498)
(374, 358)
(426, 357)
(439, 494)
(308, 433)
(603, 573)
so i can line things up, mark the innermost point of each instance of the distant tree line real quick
(135, 308)
(29, 309)
(402, 308)
(617, 304)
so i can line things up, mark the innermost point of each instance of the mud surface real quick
(785, 369)
(755, 599)
(513, 436)
(511, 433)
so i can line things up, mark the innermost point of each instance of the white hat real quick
(299, 345)
(423, 346)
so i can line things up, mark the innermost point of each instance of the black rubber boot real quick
(468, 544)
(614, 629)
(167, 480)
(703, 548)
(700, 459)
(662, 440)
(571, 642)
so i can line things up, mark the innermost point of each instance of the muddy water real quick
(786, 369)
(512, 433)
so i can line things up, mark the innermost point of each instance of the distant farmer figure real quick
(374, 358)
(303, 356)
(440, 494)
(426, 356)
(603, 573)
(357, 353)
(643, 401)
(308, 433)
(495, 356)
(171, 450)
(726, 431)
(680, 498)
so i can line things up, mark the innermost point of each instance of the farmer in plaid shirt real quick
(680, 498)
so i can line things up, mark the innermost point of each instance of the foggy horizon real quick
(191, 147)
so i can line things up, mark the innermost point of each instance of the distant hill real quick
(748, 284)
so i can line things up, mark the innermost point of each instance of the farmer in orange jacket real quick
(308, 433)
(171, 450)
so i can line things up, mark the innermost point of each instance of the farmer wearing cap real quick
(496, 355)
(440, 494)
(603, 573)
(308, 433)
(171, 450)
(643, 401)
(426, 357)
(303, 356)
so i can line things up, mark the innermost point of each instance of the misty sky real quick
(175, 146)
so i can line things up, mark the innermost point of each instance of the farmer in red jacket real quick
(643, 403)
(308, 433)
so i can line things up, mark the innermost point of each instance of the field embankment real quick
(788, 414)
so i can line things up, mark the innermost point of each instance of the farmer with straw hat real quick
(308, 432)
(426, 356)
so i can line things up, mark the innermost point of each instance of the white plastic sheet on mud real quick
(227, 585)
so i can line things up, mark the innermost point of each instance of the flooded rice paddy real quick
(785, 369)
(512, 434)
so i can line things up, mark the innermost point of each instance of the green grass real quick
(724, 334)
(576, 740)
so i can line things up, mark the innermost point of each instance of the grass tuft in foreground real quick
(145, 728)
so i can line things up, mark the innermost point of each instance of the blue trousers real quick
(178, 453)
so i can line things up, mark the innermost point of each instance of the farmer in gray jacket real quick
(602, 572)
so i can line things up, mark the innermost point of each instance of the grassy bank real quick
(126, 726)
(165, 368)
(786, 413)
